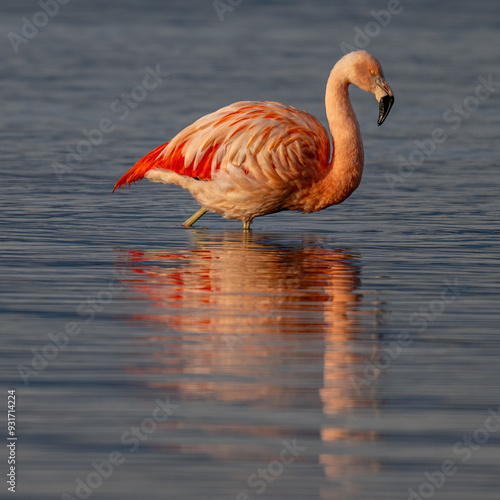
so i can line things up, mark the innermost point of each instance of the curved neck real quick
(346, 166)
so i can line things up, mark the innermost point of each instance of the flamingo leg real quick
(188, 223)
(246, 225)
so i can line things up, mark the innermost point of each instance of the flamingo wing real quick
(261, 139)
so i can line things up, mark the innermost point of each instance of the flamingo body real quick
(250, 159)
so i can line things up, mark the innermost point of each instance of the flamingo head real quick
(364, 71)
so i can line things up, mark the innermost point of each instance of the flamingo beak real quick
(385, 99)
(384, 106)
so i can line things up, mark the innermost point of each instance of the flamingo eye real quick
(372, 71)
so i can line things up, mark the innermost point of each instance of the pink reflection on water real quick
(263, 324)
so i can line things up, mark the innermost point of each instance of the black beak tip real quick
(385, 105)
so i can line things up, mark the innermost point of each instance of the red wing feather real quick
(174, 161)
(233, 133)
(138, 171)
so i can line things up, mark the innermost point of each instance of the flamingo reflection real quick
(237, 304)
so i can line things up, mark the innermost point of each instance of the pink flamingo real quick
(257, 158)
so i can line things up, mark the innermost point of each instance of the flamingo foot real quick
(188, 223)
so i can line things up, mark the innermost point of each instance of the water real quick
(350, 354)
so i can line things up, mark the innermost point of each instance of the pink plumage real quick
(255, 158)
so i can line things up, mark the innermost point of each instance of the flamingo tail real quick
(138, 171)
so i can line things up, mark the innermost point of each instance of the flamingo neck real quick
(346, 166)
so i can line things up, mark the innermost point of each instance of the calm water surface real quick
(350, 354)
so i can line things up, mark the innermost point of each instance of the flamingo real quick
(254, 158)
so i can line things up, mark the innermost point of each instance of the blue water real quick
(348, 354)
